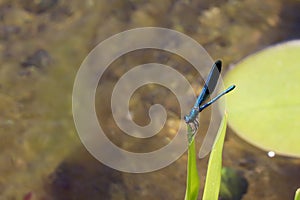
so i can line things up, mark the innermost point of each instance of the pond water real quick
(42, 45)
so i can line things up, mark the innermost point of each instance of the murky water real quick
(42, 45)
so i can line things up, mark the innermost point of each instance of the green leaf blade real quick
(297, 195)
(213, 177)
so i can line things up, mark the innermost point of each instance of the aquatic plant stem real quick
(192, 182)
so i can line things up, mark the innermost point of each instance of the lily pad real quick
(264, 109)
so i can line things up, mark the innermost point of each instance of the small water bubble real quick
(271, 154)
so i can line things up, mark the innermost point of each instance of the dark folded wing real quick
(210, 83)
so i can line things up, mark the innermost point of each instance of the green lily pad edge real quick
(264, 108)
